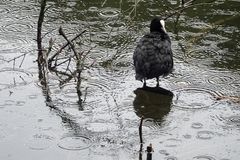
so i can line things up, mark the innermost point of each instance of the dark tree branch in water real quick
(59, 64)
(69, 42)
(39, 30)
(64, 46)
(79, 64)
(141, 139)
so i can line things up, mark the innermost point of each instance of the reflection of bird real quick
(153, 55)
(152, 103)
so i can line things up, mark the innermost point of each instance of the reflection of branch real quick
(13, 59)
(140, 130)
(140, 151)
(66, 118)
(141, 139)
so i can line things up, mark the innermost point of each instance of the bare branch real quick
(64, 46)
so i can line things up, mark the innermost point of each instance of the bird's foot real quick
(144, 85)
(157, 78)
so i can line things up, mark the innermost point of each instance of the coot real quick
(153, 55)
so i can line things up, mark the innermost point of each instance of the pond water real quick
(201, 121)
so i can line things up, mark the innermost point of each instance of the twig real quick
(64, 46)
(85, 95)
(13, 59)
(48, 33)
(63, 81)
(22, 61)
(69, 42)
(69, 60)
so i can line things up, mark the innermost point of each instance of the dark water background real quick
(191, 125)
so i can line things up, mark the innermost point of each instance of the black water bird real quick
(153, 55)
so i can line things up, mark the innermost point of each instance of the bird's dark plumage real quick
(153, 55)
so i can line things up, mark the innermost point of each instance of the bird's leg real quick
(144, 82)
(157, 81)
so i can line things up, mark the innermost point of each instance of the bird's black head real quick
(157, 25)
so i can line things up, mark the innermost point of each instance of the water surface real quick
(191, 124)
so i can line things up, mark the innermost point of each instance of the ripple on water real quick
(187, 136)
(228, 122)
(12, 44)
(236, 85)
(40, 142)
(205, 135)
(16, 27)
(15, 77)
(69, 90)
(99, 79)
(235, 120)
(221, 79)
(197, 125)
(172, 142)
(93, 9)
(9, 103)
(109, 12)
(181, 82)
(194, 98)
(199, 25)
(20, 103)
(102, 127)
(203, 157)
(3, 10)
(2, 59)
(33, 96)
(201, 53)
(170, 158)
(164, 152)
(75, 143)
(116, 24)
(231, 121)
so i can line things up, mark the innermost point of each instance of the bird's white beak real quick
(163, 25)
